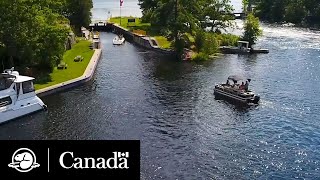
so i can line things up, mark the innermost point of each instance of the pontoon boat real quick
(236, 92)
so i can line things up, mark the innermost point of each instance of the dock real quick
(242, 48)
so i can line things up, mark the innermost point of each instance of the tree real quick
(79, 13)
(219, 13)
(31, 34)
(178, 17)
(251, 30)
(295, 12)
(272, 11)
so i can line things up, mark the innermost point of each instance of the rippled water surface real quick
(185, 133)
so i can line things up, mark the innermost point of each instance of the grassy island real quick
(74, 69)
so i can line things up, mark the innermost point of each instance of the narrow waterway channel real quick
(185, 133)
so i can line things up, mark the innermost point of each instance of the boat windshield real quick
(5, 83)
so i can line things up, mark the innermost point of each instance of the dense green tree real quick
(31, 34)
(56, 6)
(34, 32)
(79, 13)
(177, 17)
(251, 29)
(294, 11)
(219, 13)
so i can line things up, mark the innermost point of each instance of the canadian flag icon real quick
(123, 154)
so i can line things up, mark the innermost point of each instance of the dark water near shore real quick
(185, 133)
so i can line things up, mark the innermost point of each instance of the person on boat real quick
(228, 83)
(242, 86)
(246, 86)
(234, 85)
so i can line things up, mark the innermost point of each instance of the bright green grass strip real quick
(125, 24)
(74, 70)
(163, 42)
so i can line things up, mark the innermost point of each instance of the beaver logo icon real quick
(23, 160)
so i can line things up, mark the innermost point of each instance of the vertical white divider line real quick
(48, 161)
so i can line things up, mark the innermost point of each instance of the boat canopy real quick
(236, 78)
(243, 42)
(21, 79)
(16, 79)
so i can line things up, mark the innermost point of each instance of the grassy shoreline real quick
(202, 46)
(74, 69)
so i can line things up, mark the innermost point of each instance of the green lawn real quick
(163, 41)
(125, 24)
(74, 70)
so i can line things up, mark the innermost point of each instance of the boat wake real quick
(283, 107)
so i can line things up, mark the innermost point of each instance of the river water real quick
(185, 133)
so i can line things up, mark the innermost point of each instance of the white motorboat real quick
(118, 40)
(96, 41)
(96, 38)
(236, 92)
(17, 96)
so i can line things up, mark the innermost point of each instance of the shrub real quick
(210, 44)
(201, 57)
(200, 40)
(227, 39)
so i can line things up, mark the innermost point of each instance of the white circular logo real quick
(23, 160)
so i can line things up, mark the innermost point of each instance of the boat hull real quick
(118, 42)
(235, 98)
(21, 108)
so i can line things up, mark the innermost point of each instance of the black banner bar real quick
(74, 158)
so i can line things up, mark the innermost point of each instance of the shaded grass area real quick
(138, 25)
(74, 69)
